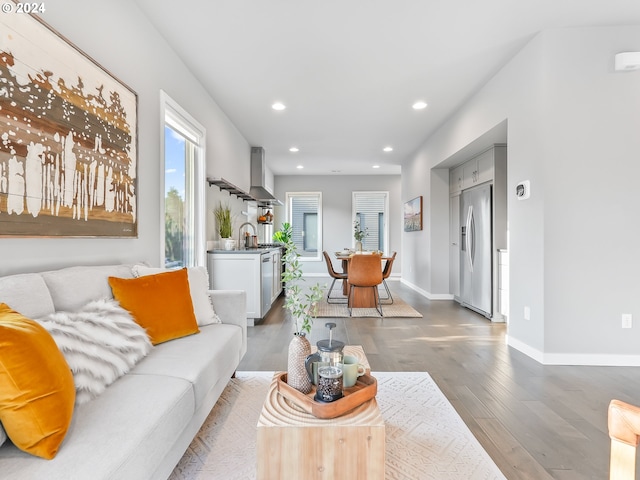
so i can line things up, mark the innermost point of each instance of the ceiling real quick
(349, 71)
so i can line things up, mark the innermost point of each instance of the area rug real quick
(425, 437)
(399, 308)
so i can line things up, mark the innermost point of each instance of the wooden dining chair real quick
(365, 271)
(336, 276)
(386, 272)
(624, 431)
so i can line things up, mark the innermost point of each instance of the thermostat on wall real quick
(523, 190)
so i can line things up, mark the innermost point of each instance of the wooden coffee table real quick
(294, 444)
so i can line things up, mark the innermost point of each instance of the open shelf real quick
(223, 184)
(226, 185)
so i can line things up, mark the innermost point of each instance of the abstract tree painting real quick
(68, 138)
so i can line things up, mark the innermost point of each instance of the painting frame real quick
(69, 162)
(413, 215)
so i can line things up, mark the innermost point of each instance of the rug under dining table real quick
(399, 308)
(425, 436)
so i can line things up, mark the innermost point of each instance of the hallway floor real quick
(536, 421)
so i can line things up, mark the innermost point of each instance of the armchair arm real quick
(624, 430)
(231, 307)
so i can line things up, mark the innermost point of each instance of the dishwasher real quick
(266, 282)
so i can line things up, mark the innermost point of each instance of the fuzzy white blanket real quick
(100, 342)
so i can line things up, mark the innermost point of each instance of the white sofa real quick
(140, 427)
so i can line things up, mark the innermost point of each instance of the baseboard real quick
(395, 277)
(316, 275)
(537, 355)
(596, 359)
(424, 293)
(586, 359)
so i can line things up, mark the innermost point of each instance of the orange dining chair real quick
(385, 274)
(365, 271)
(336, 276)
(624, 430)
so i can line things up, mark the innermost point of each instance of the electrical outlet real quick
(627, 320)
(527, 313)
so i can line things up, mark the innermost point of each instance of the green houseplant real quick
(223, 217)
(303, 307)
(359, 234)
(284, 234)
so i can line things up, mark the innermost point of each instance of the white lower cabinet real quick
(237, 271)
(257, 273)
(276, 289)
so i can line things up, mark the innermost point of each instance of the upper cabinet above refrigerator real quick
(478, 170)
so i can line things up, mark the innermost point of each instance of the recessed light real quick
(376, 166)
(294, 149)
(300, 167)
(419, 105)
(388, 149)
(278, 106)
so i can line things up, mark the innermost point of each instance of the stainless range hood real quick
(258, 189)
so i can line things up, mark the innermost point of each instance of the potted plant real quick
(359, 234)
(284, 234)
(223, 217)
(303, 307)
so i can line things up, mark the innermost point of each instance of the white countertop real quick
(258, 250)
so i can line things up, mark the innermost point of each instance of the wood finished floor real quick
(535, 421)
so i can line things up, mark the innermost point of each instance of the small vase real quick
(299, 350)
(358, 246)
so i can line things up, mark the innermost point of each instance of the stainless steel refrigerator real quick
(476, 249)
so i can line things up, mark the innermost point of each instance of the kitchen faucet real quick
(243, 225)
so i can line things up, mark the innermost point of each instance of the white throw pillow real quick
(100, 342)
(198, 288)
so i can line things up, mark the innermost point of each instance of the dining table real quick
(362, 298)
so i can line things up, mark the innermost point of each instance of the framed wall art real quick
(413, 215)
(68, 142)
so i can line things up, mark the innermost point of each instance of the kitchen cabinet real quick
(479, 169)
(455, 180)
(256, 271)
(238, 271)
(276, 288)
(266, 282)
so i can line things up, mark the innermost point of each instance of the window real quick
(183, 192)
(304, 213)
(370, 209)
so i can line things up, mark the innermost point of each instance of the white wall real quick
(591, 194)
(336, 191)
(572, 131)
(117, 36)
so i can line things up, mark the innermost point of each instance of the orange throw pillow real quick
(161, 304)
(37, 393)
